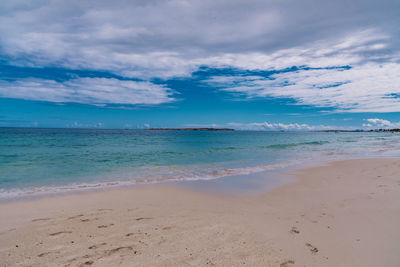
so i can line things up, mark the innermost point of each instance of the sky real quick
(248, 65)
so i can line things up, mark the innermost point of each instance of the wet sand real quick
(344, 214)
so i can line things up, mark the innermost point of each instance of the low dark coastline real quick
(190, 129)
(358, 131)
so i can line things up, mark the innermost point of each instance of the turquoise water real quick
(42, 160)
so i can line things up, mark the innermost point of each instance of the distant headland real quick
(190, 129)
(356, 131)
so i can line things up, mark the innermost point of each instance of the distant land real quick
(228, 129)
(356, 131)
(190, 129)
(396, 130)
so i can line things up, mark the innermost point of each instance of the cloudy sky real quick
(264, 65)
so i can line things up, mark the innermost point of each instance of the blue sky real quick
(260, 65)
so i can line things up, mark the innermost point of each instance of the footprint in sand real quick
(115, 250)
(88, 220)
(143, 218)
(40, 219)
(75, 217)
(44, 254)
(85, 258)
(60, 233)
(105, 226)
(97, 246)
(313, 249)
(87, 263)
(286, 263)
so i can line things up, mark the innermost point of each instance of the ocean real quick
(37, 161)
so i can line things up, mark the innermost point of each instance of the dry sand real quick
(344, 214)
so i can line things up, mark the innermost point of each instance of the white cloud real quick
(161, 39)
(272, 126)
(171, 38)
(381, 123)
(94, 91)
(373, 123)
(266, 126)
(365, 88)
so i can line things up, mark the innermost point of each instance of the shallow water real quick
(55, 160)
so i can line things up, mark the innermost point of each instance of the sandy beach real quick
(343, 214)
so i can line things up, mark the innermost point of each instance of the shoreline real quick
(38, 192)
(44, 162)
(286, 170)
(342, 214)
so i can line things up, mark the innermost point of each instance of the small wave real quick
(7, 156)
(283, 146)
(223, 149)
(9, 194)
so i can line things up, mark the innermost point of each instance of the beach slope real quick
(343, 214)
